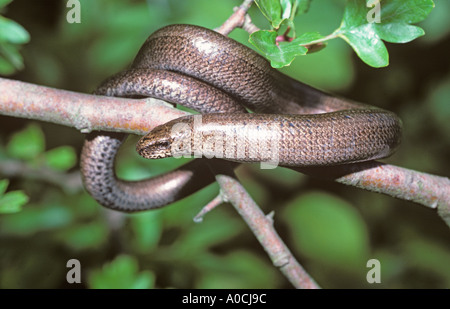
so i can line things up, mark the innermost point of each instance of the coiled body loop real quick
(215, 75)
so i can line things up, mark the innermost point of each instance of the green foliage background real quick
(332, 229)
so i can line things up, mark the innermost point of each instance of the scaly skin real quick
(210, 73)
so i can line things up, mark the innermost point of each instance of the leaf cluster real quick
(12, 36)
(360, 28)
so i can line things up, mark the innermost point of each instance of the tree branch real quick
(83, 111)
(402, 183)
(138, 116)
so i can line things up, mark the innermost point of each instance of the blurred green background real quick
(332, 229)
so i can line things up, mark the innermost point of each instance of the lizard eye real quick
(164, 144)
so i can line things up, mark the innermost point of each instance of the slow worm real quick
(221, 78)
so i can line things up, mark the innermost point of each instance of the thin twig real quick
(218, 200)
(248, 25)
(262, 227)
(239, 19)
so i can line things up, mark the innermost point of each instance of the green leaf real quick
(332, 67)
(12, 32)
(280, 12)
(287, 8)
(368, 46)
(399, 32)
(288, 26)
(11, 35)
(271, 10)
(395, 17)
(121, 273)
(11, 54)
(27, 144)
(61, 158)
(407, 11)
(279, 55)
(291, 8)
(12, 202)
(327, 229)
(307, 38)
